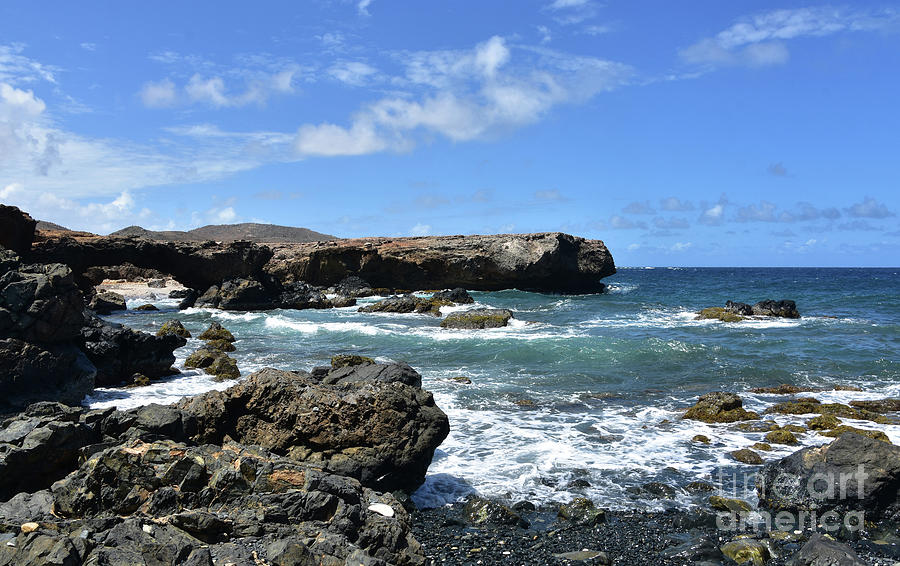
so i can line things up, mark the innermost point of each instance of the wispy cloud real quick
(568, 12)
(465, 95)
(869, 208)
(355, 73)
(674, 204)
(549, 195)
(639, 208)
(363, 7)
(759, 40)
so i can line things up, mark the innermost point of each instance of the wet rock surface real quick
(477, 319)
(719, 407)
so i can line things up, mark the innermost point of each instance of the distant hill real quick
(269, 233)
(44, 225)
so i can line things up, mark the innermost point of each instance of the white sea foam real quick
(163, 392)
(308, 327)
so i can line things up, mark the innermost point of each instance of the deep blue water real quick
(607, 375)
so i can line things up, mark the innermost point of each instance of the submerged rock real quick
(718, 313)
(477, 319)
(719, 407)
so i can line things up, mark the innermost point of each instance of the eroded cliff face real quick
(548, 262)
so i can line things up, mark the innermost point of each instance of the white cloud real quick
(759, 40)
(569, 12)
(363, 7)
(639, 208)
(546, 35)
(621, 223)
(87, 46)
(869, 208)
(465, 95)
(159, 94)
(681, 246)
(354, 73)
(210, 90)
(420, 230)
(16, 68)
(674, 204)
(713, 216)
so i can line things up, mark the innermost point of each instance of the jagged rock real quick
(783, 309)
(173, 326)
(354, 287)
(747, 552)
(552, 262)
(397, 304)
(147, 307)
(822, 550)
(189, 300)
(477, 319)
(823, 422)
(383, 433)
(342, 301)
(457, 296)
(224, 367)
(719, 407)
(40, 303)
(345, 360)
(179, 293)
(126, 271)
(197, 266)
(40, 446)
(842, 429)
(784, 485)
(16, 229)
(239, 294)
(119, 352)
(299, 295)
(808, 405)
(217, 332)
(105, 302)
(293, 510)
(742, 309)
(781, 436)
(157, 283)
(30, 373)
(878, 405)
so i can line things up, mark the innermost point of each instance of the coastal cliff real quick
(547, 262)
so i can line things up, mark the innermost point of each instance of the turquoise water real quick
(605, 377)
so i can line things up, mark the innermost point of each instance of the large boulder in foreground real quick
(853, 473)
(39, 302)
(548, 262)
(16, 229)
(382, 433)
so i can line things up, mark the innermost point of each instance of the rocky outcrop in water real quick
(477, 319)
(411, 303)
(371, 422)
(550, 262)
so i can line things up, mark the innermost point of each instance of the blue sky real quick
(701, 133)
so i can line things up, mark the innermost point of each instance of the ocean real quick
(581, 396)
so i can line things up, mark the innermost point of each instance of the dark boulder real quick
(181, 504)
(481, 512)
(458, 296)
(30, 373)
(105, 302)
(395, 304)
(381, 433)
(742, 309)
(189, 300)
(354, 287)
(300, 295)
(216, 332)
(173, 326)
(179, 293)
(119, 352)
(853, 473)
(822, 550)
(40, 303)
(16, 229)
(477, 319)
(239, 295)
(783, 309)
(41, 446)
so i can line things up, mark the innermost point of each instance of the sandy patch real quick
(139, 290)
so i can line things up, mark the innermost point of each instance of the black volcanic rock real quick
(32, 372)
(40, 303)
(119, 352)
(369, 424)
(16, 229)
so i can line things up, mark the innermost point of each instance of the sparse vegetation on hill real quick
(229, 232)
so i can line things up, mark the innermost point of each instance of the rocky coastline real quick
(295, 467)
